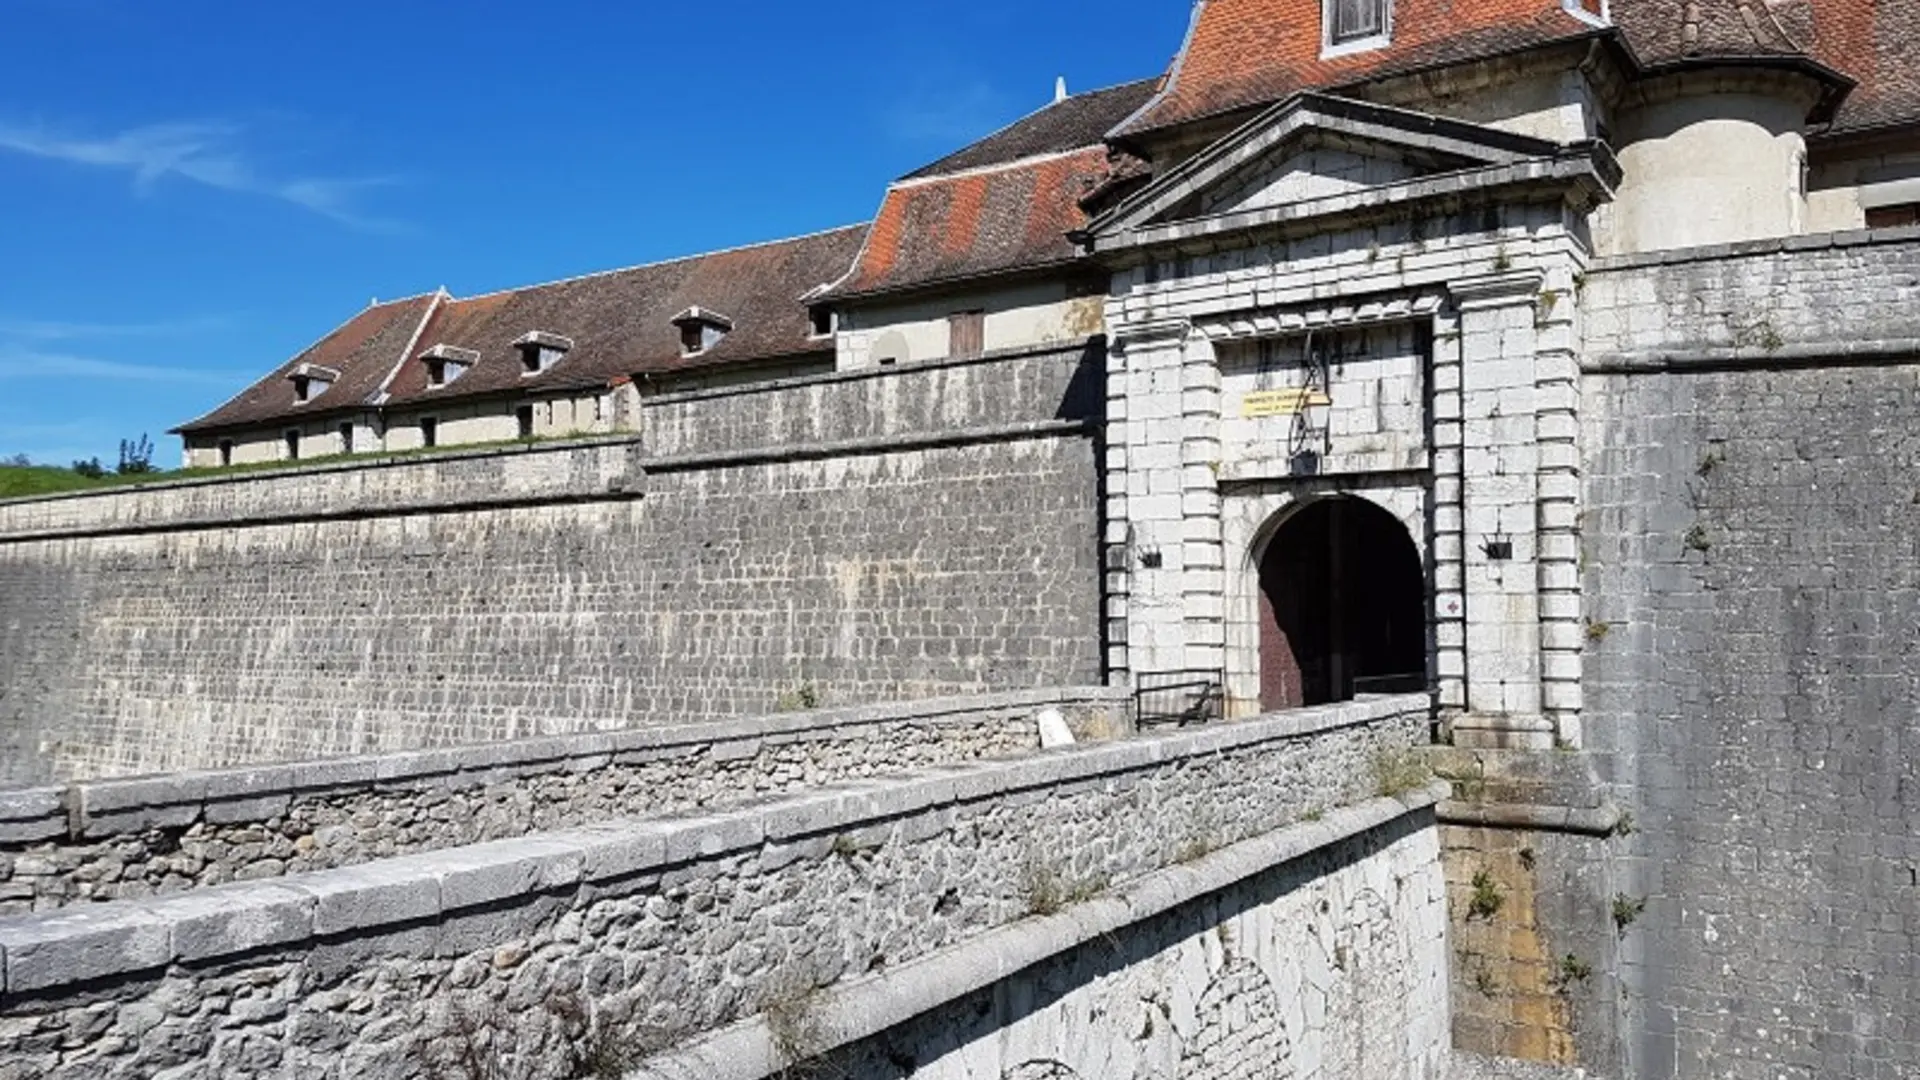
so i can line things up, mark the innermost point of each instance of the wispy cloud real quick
(46, 330)
(206, 152)
(23, 363)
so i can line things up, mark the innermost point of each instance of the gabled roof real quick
(619, 323)
(363, 350)
(1079, 121)
(1244, 53)
(622, 322)
(1456, 156)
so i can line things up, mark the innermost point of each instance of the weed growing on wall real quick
(1398, 770)
(1626, 909)
(1487, 899)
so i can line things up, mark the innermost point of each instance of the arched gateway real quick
(1342, 606)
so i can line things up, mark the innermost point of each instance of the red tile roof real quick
(364, 350)
(1242, 53)
(620, 322)
(1245, 53)
(1005, 217)
(1878, 43)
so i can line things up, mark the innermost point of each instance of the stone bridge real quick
(915, 890)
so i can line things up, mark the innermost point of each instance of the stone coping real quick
(67, 949)
(1747, 248)
(1841, 352)
(91, 809)
(902, 442)
(1075, 347)
(868, 1005)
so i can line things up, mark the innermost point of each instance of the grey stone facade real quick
(1752, 558)
(286, 617)
(631, 936)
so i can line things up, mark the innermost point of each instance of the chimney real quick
(1059, 89)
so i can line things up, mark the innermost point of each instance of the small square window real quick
(823, 320)
(302, 388)
(692, 337)
(1357, 22)
(436, 373)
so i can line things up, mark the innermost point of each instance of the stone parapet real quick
(1833, 298)
(123, 838)
(1007, 387)
(630, 937)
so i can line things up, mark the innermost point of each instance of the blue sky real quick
(192, 191)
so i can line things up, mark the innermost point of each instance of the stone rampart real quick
(117, 839)
(563, 952)
(285, 616)
(1753, 673)
(1822, 299)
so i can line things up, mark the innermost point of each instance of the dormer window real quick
(701, 330)
(823, 321)
(540, 351)
(310, 381)
(1357, 25)
(446, 363)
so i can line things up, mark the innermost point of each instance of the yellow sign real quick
(1280, 402)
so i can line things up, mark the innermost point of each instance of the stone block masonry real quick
(273, 618)
(1827, 298)
(118, 839)
(1755, 665)
(631, 937)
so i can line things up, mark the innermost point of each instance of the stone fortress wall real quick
(1751, 421)
(1274, 872)
(925, 530)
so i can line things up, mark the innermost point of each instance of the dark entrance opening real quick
(1343, 602)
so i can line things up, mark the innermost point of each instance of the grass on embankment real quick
(20, 481)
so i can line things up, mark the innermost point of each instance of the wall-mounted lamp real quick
(1497, 548)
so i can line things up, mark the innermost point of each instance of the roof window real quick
(701, 329)
(1356, 25)
(541, 350)
(311, 380)
(446, 363)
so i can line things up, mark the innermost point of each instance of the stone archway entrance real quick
(1343, 606)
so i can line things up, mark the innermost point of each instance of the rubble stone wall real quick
(100, 840)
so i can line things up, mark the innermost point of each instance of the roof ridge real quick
(661, 262)
(1000, 166)
(379, 395)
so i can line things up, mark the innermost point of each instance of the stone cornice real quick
(1504, 289)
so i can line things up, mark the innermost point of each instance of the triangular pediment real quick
(1313, 164)
(1316, 154)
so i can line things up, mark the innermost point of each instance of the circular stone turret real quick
(1712, 156)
